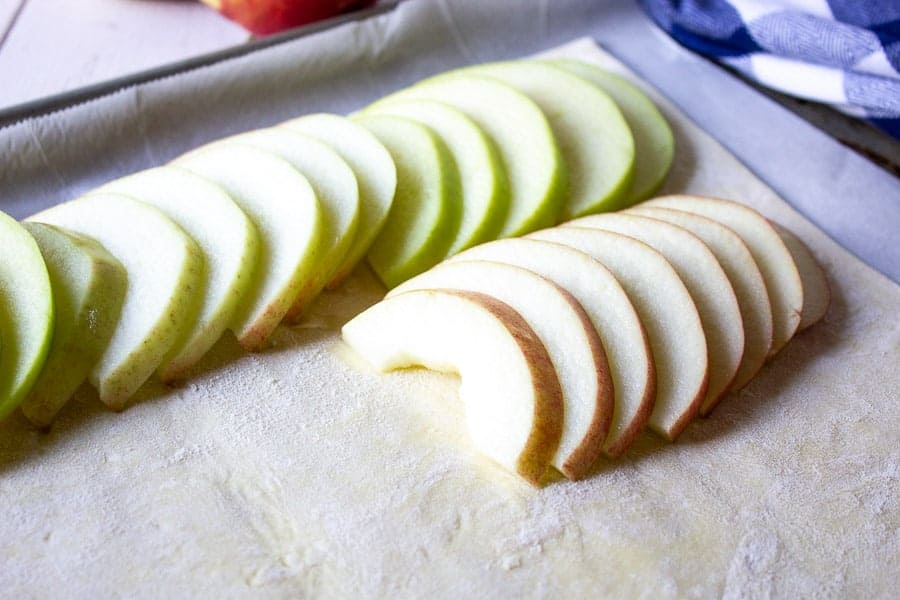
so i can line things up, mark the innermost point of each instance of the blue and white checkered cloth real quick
(845, 53)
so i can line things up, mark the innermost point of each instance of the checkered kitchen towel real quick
(841, 52)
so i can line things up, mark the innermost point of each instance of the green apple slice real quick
(375, 173)
(485, 192)
(336, 188)
(612, 315)
(654, 144)
(707, 283)
(89, 287)
(26, 313)
(511, 393)
(229, 242)
(425, 216)
(668, 313)
(769, 251)
(596, 143)
(165, 273)
(746, 279)
(565, 330)
(282, 205)
(523, 137)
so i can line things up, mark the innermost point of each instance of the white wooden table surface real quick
(53, 46)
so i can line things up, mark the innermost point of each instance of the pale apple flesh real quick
(746, 279)
(425, 215)
(89, 287)
(512, 396)
(228, 239)
(816, 291)
(26, 313)
(565, 330)
(283, 207)
(336, 189)
(375, 174)
(165, 272)
(770, 253)
(614, 318)
(707, 283)
(668, 313)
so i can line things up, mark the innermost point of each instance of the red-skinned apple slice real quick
(705, 280)
(566, 332)
(512, 396)
(613, 316)
(668, 313)
(771, 255)
(746, 279)
(816, 292)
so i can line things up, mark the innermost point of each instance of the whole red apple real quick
(263, 17)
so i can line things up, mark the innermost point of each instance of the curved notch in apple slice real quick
(165, 272)
(816, 292)
(26, 313)
(534, 167)
(567, 333)
(613, 317)
(485, 191)
(654, 144)
(770, 253)
(596, 143)
(282, 205)
(707, 283)
(746, 279)
(228, 239)
(375, 174)
(88, 291)
(425, 215)
(668, 313)
(511, 392)
(336, 188)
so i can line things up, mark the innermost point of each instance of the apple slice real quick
(771, 255)
(668, 313)
(230, 246)
(336, 188)
(615, 320)
(654, 144)
(534, 167)
(165, 272)
(707, 283)
(512, 396)
(816, 292)
(425, 215)
(745, 277)
(595, 141)
(26, 313)
(566, 332)
(375, 173)
(88, 290)
(282, 205)
(485, 191)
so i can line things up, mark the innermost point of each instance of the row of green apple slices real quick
(570, 340)
(244, 233)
